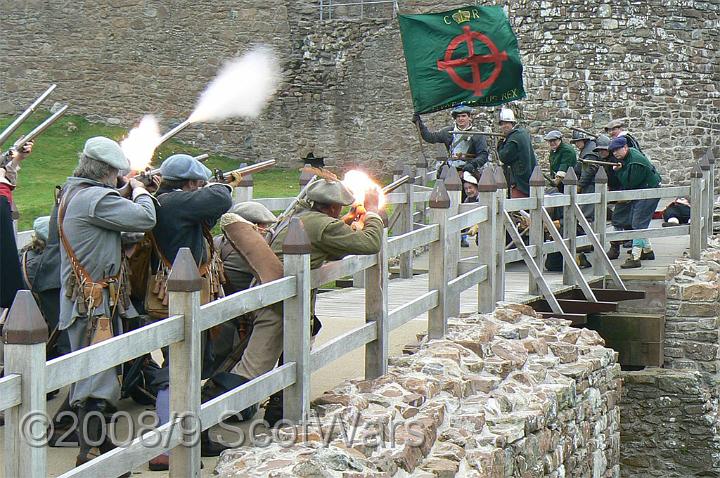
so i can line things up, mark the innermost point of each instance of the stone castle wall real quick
(505, 394)
(345, 90)
(670, 424)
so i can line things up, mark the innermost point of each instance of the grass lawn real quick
(55, 155)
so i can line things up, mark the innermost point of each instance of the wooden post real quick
(25, 338)
(376, 310)
(537, 233)
(183, 285)
(501, 183)
(439, 255)
(405, 223)
(487, 254)
(706, 201)
(296, 321)
(453, 184)
(711, 197)
(600, 221)
(421, 168)
(244, 192)
(696, 211)
(570, 222)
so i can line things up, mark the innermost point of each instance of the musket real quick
(603, 163)
(497, 135)
(593, 136)
(177, 129)
(20, 119)
(39, 129)
(245, 170)
(395, 184)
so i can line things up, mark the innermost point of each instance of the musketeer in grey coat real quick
(91, 216)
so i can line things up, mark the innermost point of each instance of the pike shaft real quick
(20, 119)
(40, 128)
(177, 129)
(498, 135)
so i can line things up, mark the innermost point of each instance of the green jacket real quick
(637, 172)
(562, 158)
(517, 155)
(331, 239)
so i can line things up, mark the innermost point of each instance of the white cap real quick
(469, 178)
(507, 114)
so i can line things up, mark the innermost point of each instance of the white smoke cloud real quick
(139, 146)
(242, 87)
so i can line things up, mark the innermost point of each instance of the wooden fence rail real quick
(29, 377)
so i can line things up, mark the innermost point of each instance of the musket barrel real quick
(39, 129)
(395, 184)
(25, 114)
(253, 168)
(579, 130)
(498, 135)
(604, 163)
(177, 129)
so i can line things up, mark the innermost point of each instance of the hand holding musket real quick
(23, 145)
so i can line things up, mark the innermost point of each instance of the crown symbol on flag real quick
(461, 16)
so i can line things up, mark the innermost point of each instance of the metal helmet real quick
(602, 142)
(507, 115)
(461, 109)
(578, 136)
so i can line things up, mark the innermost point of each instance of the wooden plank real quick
(134, 455)
(396, 198)
(10, 391)
(683, 230)
(412, 309)
(607, 295)
(412, 240)
(376, 313)
(532, 267)
(342, 345)
(556, 200)
(569, 258)
(421, 196)
(575, 306)
(337, 269)
(520, 204)
(239, 303)
(638, 338)
(663, 192)
(296, 337)
(247, 394)
(96, 358)
(599, 249)
(588, 198)
(467, 219)
(468, 279)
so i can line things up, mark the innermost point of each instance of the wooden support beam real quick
(605, 295)
(575, 306)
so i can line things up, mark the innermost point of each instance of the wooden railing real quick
(28, 377)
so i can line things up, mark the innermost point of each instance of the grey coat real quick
(94, 219)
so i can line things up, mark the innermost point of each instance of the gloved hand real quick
(235, 179)
(473, 230)
(416, 118)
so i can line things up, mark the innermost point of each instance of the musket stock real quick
(39, 129)
(395, 184)
(25, 114)
(603, 163)
(253, 168)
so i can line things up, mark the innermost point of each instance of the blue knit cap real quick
(180, 167)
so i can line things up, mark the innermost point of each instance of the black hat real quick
(313, 161)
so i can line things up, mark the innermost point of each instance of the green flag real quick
(467, 55)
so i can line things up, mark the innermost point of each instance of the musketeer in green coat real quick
(635, 171)
(331, 239)
(562, 157)
(516, 154)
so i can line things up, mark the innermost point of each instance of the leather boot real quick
(614, 251)
(274, 409)
(209, 447)
(93, 432)
(224, 382)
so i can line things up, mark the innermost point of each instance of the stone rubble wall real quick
(670, 425)
(345, 90)
(504, 394)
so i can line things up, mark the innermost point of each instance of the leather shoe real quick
(209, 447)
(614, 252)
(647, 256)
(160, 463)
(631, 263)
